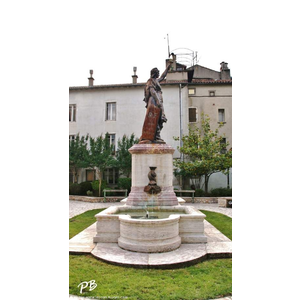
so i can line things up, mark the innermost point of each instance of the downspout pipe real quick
(180, 120)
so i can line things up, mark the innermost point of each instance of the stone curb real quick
(109, 199)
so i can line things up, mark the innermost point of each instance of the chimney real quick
(91, 79)
(173, 66)
(225, 72)
(134, 76)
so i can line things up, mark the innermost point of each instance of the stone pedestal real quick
(145, 156)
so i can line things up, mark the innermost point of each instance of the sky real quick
(112, 37)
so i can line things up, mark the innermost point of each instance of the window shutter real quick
(90, 175)
(192, 114)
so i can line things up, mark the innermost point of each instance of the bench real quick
(225, 202)
(186, 191)
(109, 191)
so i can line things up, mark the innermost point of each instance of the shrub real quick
(89, 193)
(199, 193)
(84, 187)
(95, 186)
(74, 189)
(221, 192)
(124, 184)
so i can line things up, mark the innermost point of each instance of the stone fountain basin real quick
(179, 224)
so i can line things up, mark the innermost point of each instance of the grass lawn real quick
(221, 222)
(80, 222)
(206, 280)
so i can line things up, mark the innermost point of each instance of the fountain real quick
(169, 224)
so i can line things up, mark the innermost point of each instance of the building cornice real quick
(142, 84)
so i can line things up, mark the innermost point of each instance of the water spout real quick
(147, 213)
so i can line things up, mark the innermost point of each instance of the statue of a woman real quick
(155, 114)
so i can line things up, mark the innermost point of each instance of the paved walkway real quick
(79, 207)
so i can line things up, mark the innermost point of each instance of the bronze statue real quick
(155, 114)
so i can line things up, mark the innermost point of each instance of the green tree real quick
(78, 155)
(204, 152)
(123, 157)
(100, 156)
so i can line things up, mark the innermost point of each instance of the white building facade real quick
(119, 109)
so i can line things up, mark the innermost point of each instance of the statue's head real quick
(154, 73)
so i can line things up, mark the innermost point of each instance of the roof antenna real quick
(168, 45)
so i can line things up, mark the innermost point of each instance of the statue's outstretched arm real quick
(164, 74)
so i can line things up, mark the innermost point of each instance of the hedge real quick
(221, 192)
(79, 189)
(124, 184)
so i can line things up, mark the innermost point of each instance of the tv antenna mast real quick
(168, 45)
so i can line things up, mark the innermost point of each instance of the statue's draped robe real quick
(152, 122)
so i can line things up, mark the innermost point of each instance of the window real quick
(71, 138)
(192, 91)
(223, 144)
(221, 115)
(111, 111)
(72, 113)
(193, 114)
(112, 141)
(90, 175)
(72, 178)
(212, 93)
(111, 175)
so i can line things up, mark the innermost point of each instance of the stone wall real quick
(95, 199)
(201, 199)
(118, 199)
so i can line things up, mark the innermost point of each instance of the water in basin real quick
(143, 214)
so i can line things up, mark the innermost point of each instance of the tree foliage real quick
(78, 155)
(100, 155)
(97, 153)
(123, 157)
(204, 152)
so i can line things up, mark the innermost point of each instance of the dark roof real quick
(142, 84)
(104, 86)
(193, 67)
(198, 81)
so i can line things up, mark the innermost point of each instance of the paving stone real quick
(211, 207)
(82, 242)
(111, 252)
(184, 254)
